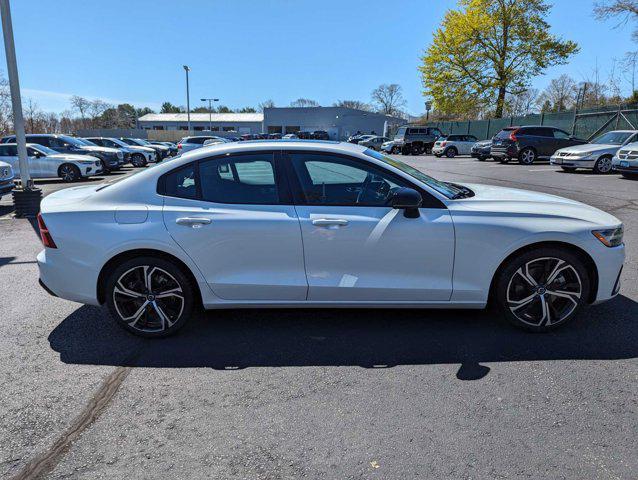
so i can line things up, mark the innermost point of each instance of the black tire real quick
(417, 149)
(505, 159)
(524, 304)
(69, 172)
(527, 156)
(482, 159)
(394, 151)
(451, 152)
(105, 170)
(124, 305)
(630, 176)
(568, 169)
(405, 150)
(138, 160)
(603, 165)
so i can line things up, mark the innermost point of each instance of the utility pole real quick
(210, 111)
(188, 99)
(26, 198)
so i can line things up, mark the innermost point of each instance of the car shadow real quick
(381, 338)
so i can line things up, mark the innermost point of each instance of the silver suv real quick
(454, 145)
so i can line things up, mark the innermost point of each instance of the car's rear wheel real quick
(568, 169)
(603, 165)
(451, 152)
(527, 156)
(405, 150)
(417, 149)
(69, 172)
(149, 296)
(542, 289)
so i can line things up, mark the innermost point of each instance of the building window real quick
(183, 128)
(198, 129)
(158, 127)
(274, 129)
(214, 129)
(229, 129)
(290, 129)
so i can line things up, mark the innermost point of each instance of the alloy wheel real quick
(544, 291)
(528, 156)
(148, 299)
(603, 165)
(67, 172)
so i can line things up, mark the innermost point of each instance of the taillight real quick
(443, 144)
(513, 135)
(45, 235)
(179, 146)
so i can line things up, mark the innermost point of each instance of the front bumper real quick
(609, 262)
(572, 162)
(6, 186)
(624, 166)
(437, 150)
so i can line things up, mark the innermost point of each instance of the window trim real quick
(283, 188)
(429, 200)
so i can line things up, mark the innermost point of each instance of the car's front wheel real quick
(631, 176)
(149, 296)
(542, 288)
(138, 160)
(603, 165)
(69, 172)
(451, 152)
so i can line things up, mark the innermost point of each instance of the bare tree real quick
(265, 104)
(33, 117)
(521, 103)
(389, 99)
(304, 102)
(629, 68)
(356, 104)
(80, 105)
(559, 95)
(625, 9)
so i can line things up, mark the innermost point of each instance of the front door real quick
(229, 214)
(357, 249)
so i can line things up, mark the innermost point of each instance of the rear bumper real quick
(66, 278)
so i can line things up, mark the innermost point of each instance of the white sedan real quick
(47, 163)
(305, 224)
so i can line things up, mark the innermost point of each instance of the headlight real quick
(120, 155)
(611, 237)
(86, 162)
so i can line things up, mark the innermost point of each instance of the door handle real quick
(194, 222)
(330, 222)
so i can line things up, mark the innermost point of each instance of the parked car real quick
(626, 161)
(374, 142)
(161, 151)
(289, 136)
(320, 135)
(389, 147)
(171, 146)
(322, 217)
(530, 143)
(304, 135)
(191, 143)
(360, 138)
(454, 145)
(110, 158)
(416, 140)
(212, 141)
(6, 178)
(596, 155)
(134, 154)
(482, 150)
(47, 163)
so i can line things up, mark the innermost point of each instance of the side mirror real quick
(38, 154)
(407, 199)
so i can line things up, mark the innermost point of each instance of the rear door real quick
(234, 217)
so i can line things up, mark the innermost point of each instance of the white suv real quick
(191, 143)
(454, 145)
(6, 178)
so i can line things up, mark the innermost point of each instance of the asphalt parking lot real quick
(267, 394)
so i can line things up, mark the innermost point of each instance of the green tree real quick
(224, 109)
(247, 110)
(486, 49)
(168, 107)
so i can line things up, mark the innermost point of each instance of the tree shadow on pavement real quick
(381, 338)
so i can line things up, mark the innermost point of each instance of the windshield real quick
(612, 138)
(42, 148)
(84, 141)
(447, 189)
(129, 141)
(72, 141)
(140, 141)
(117, 141)
(400, 132)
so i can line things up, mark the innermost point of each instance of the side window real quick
(12, 151)
(542, 132)
(3, 151)
(181, 182)
(335, 180)
(241, 179)
(53, 142)
(31, 152)
(560, 134)
(471, 138)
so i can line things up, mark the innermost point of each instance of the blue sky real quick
(246, 52)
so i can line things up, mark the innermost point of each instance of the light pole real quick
(188, 99)
(26, 198)
(210, 111)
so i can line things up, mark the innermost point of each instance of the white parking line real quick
(542, 170)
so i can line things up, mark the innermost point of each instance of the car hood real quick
(526, 203)
(139, 148)
(72, 157)
(590, 148)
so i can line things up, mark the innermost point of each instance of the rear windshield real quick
(505, 133)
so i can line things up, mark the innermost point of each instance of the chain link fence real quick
(581, 123)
